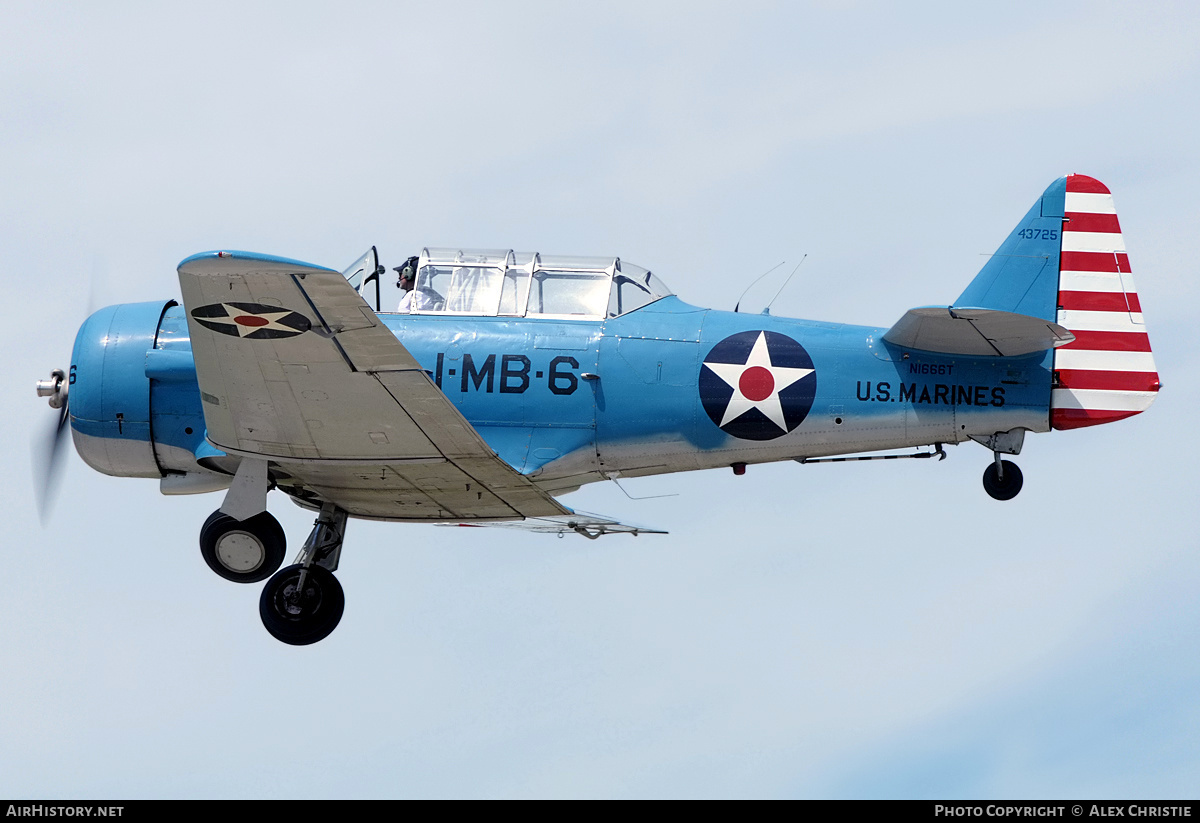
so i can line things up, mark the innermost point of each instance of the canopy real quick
(502, 282)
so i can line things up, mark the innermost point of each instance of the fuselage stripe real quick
(1082, 221)
(1096, 281)
(1131, 401)
(1111, 301)
(1094, 261)
(1092, 241)
(1083, 183)
(1109, 341)
(1078, 418)
(1110, 380)
(1078, 320)
(1085, 360)
(1089, 202)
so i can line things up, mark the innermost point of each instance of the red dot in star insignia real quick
(251, 320)
(756, 383)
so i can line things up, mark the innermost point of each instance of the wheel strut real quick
(303, 602)
(324, 544)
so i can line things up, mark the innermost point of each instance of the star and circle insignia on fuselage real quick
(757, 385)
(254, 321)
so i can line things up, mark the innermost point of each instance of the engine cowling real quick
(134, 401)
(109, 390)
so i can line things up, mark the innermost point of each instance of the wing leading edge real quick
(296, 368)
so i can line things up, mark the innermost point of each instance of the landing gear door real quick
(363, 275)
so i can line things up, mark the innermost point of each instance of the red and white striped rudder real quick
(1107, 373)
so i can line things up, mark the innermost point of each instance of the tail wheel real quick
(244, 551)
(302, 605)
(1003, 485)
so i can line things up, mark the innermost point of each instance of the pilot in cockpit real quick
(416, 298)
(407, 278)
(413, 298)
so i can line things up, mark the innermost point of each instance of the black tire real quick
(1007, 488)
(244, 551)
(299, 619)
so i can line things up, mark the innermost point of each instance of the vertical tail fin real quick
(1108, 372)
(1022, 275)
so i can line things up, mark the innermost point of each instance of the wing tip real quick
(207, 259)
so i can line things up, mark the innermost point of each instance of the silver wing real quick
(295, 368)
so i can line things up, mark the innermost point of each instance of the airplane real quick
(513, 378)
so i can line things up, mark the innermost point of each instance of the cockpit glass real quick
(577, 294)
(514, 293)
(494, 282)
(632, 288)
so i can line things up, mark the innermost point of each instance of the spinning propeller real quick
(48, 451)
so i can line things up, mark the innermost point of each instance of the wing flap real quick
(975, 332)
(590, 526)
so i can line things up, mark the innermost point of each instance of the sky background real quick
(866, 630)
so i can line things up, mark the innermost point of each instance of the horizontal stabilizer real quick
(976, 332)
(590, 526)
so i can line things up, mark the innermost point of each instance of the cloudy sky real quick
(870, 630)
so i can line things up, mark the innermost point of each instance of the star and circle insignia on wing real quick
(757, 385)
(251, 320)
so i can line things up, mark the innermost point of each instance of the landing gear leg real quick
(304, 602)
(1002, 479)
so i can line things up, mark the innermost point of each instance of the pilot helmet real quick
(408, 271)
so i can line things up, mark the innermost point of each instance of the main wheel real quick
(300, 616)
(244, 551)
(1003, 489)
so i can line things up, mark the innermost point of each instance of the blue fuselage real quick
(569, 402)
(524, 384)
